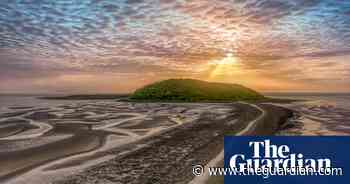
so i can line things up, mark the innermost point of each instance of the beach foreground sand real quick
(123, 142)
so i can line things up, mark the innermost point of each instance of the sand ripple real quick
(75, 135)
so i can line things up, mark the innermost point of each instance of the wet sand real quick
(42, 145)
(317, 118)
(168, 157)
(126, 142)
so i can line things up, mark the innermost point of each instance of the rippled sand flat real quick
(59, 139)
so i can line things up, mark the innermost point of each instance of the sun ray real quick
(228, 66)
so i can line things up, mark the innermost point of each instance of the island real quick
(191, 90)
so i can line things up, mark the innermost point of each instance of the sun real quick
(226, 66)
(229, 54)
(228, 60)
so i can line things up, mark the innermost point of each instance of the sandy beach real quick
(109, 141)
(106, 141)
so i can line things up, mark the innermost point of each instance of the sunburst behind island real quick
(227, 66)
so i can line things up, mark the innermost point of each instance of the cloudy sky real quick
(104, 46)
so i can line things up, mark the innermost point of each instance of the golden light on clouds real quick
(118, 46)
(228, 66)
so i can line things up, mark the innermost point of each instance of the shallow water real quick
(322, 114)
(10, 103)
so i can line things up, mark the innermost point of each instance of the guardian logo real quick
(267, 155)
(276, 159)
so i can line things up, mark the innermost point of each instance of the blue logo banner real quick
(287, 159)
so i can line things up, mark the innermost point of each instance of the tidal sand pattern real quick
(106, 141)
(55, 141)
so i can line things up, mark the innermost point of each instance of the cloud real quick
(47, 38)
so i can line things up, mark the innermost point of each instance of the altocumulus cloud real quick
(278, 38)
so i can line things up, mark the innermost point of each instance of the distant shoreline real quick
(89, 96)
(86, 97)
(125, 97)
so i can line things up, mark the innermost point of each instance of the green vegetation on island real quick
(190, 90)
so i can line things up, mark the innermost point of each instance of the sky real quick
(116, 46)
